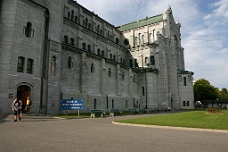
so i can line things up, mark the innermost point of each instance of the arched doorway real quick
(23, 92)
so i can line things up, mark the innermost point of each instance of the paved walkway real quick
(45, 133)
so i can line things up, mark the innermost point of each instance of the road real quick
(48, 134)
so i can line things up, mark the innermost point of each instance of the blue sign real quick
(69, 104)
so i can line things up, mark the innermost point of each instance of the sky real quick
(204, 30)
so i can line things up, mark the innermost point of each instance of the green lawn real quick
(193, 119)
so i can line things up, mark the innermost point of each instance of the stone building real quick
(52, 50)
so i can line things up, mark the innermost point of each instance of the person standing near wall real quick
(17, 109)
(27, 106)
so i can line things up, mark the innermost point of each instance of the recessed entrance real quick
(23, 92)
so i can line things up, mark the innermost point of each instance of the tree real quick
(223, 95)
(203, 90)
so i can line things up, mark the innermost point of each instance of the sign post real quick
(69, 104)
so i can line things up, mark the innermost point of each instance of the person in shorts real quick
(17, 109)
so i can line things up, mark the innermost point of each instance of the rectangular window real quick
(126, 104)
(143, 91)
(30, 66)
(20, 64)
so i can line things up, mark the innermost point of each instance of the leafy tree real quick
(223, 95)
(203, 90)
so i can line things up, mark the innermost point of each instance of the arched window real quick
(114, 57)
(75, 19)
(111, 56)
(70, 63)
(139, 36)
(136, 63)
(146, 60)
(184, 103)
(54, 65)
(117, 41)
(89, 26)
(152, 60)
(185, 81)
(142, 38)
(109, 72)
(98, 28)
(98, 51)
(29, 30)
(150, 37)
(65, 39)
(187, 103)
(68, 15)
(30, 66)
(131, 63)
(72, 41)
(154, 35)
(83, 46)
(72, 15)
(92, 68)
(89, 48)
(20, 64)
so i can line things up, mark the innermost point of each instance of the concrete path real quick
(48, 134)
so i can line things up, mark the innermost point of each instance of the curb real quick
(168, 127)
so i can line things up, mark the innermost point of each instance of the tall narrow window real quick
(70, 63)
(72, 15)
(139, 38)
(152, 60)
(114, 57)
(136, 63)
(72, 41)
(111, 56)
(28, 30)
(30, 66)
(65, 39)
(102, 53)
(109, 72)
(142, 38)
(98, 51)
(83, 46)
(184, 103)
(89, 48)
(92, 68)
(75, 19)
(187, 103)
(20, 64)
(95, 104)
(185, 82)
(131, 63)
(107, 102)
(53, 66)
(126, 104)
(112, 103)
(143, 91)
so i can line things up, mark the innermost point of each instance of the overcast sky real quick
(204, 30)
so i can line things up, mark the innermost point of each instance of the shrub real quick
(213, 110)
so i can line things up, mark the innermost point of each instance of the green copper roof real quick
(140, 23)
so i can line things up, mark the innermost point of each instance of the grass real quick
(192, 119)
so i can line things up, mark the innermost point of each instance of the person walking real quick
(27, 106)
(17, 109)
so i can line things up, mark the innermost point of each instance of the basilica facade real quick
(52, 50)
